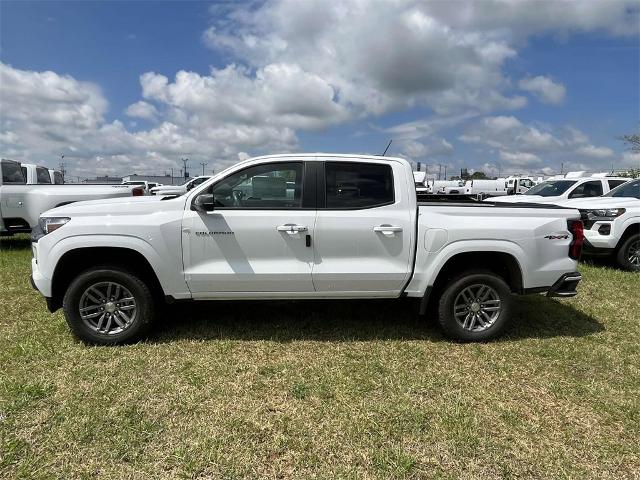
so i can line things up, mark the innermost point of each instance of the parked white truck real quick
(612, 224)
(21, 204)
(301, 227)
(559, 190)
(38, 175)
(179, 189)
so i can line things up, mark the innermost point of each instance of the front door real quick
(254, 241)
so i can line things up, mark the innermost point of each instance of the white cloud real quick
(545, 89)
(45, 114)
(308, 65)
(142, 110)
(530, 146)
(595, 152)
(520, 159)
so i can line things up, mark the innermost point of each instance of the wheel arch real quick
(503, 264)
(77, 260)
(631, 229)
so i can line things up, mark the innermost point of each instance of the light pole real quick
(203, 165)
(186, 172)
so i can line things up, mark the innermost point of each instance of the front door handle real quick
(387, 228)
(291, 228)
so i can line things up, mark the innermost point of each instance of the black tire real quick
(624, 253)
(141, 321)
(453, 329)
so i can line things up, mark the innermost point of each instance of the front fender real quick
(171, 279)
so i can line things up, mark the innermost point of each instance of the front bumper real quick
(591, 250)
(565, 286)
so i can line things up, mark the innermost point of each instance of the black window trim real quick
(322, 187)
(308, 187)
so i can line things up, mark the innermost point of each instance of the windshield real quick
(630, 189)
(551, 188)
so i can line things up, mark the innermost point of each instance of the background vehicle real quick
(56, 177)
(518, 185)
(179, 189)
(554, 191)
(612, 224)
(21, 204)
(146, 186)
(301, 226)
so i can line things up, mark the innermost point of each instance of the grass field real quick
(323, 390)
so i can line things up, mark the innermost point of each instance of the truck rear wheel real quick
(475, 306)
(108, 306)
(628, 255)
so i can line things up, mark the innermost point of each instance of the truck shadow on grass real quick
(352, 320)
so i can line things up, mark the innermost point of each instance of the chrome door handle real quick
(387, 228)
(291, 228)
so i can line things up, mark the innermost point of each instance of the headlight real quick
(49, 224)
(604, 213)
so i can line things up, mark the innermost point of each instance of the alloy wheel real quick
(477, 307)
(107, 308)
(633, 254)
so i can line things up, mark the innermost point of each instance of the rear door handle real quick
(291, 228)
(387, 228)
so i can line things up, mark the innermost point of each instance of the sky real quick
(500, 86)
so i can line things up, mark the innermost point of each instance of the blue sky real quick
(509, 92)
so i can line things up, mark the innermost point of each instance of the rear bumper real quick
(565, 286)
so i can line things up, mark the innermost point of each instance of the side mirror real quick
(203, 203)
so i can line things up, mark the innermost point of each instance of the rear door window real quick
(353, 185)
(12, 173)
(587, 189)
(43, 175)
(614, 183)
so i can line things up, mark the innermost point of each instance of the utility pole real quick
(439, 170)
(561, 168)
(445, 172)
(171, 175)
(184, 161)
(203, 165)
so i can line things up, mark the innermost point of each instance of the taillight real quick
(577, 231)
(137, 191)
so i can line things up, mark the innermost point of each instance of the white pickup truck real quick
(612, 224)
(179, 189)
(38, 175)
(21, 204)
(301, 227)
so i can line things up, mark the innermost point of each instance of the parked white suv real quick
(612, 224)
(554, 191)
(301, 226)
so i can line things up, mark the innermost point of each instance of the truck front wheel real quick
(475, 306)
(108, 306)
(628, 255)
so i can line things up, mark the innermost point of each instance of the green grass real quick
(323, 390)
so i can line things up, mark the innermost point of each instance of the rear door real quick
(363, 228)
(257, 239)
